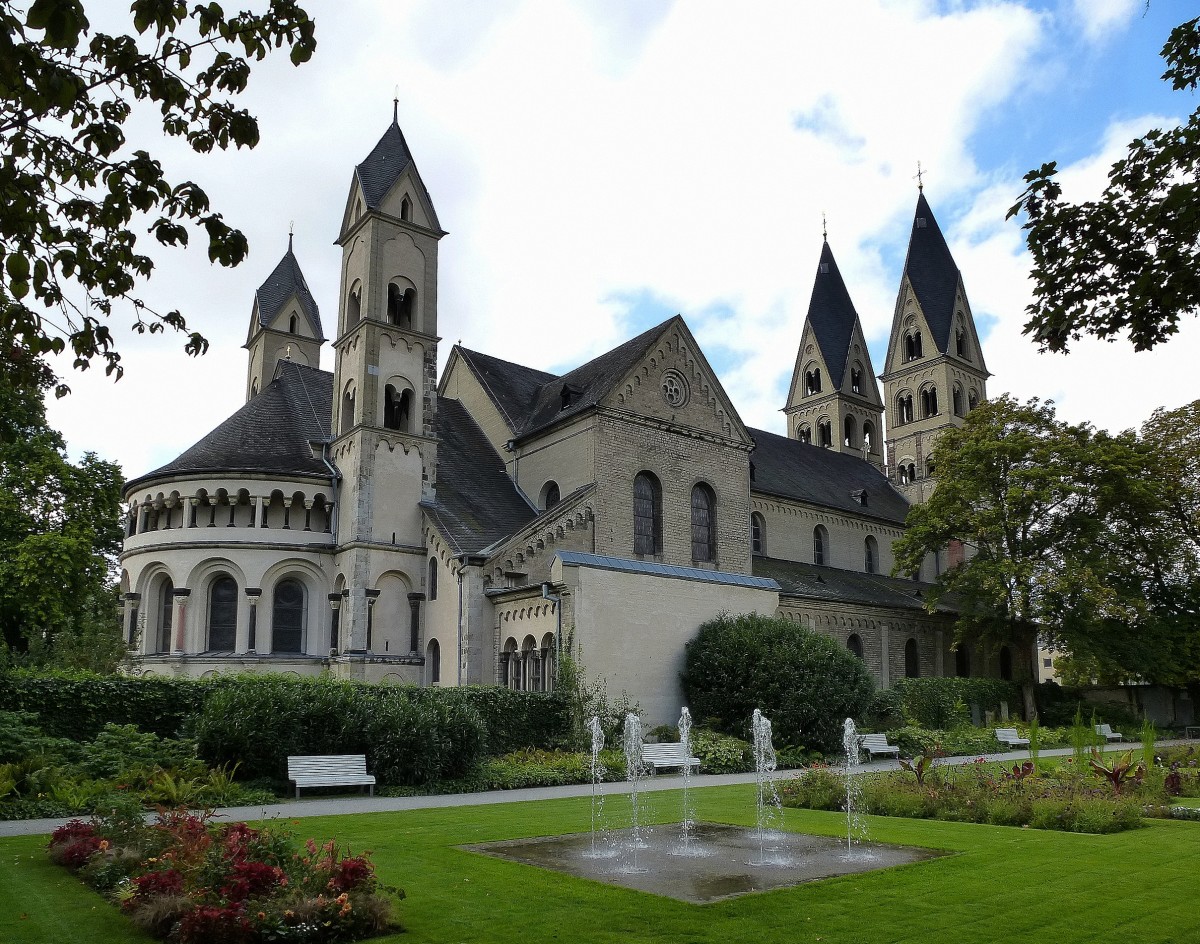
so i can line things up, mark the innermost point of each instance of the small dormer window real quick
(921, 223)
(860, 496)
(824, 268)
(293, 324)
(568, 395)
(406, 209)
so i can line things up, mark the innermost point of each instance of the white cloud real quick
(1101, 20)
(580, 154)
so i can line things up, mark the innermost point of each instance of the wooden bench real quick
(1106, 732)
(330, 770)
(667, 755)
(1009, 737)
(877, 744)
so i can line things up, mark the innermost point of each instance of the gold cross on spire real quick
(920, 178)
(824, 227)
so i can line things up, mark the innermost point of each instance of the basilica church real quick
(386, 524)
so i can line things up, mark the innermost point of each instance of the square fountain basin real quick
(720, 862)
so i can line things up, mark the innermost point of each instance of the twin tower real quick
(934, 374)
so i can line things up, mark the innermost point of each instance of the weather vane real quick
(291, 230)
(824, 228)
(920, 178)
(396, 104)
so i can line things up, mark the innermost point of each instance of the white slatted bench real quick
(1009, 737)
(877, 744)
(330, 770)
(667, 755)
(1106, 732)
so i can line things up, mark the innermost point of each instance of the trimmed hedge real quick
(806, 683)
(941, 702)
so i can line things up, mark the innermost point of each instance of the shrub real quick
(946, 702)
(720, 754)
(806, 683)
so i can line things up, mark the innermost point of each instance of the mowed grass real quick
(1002, 885)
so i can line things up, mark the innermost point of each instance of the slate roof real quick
(476, 503)
(655, 569)
(532, 399)
(285, 281)
(934, 276)
(383, 167)
(846, 586)
(792, 469)
(832, 316)
(270, 434)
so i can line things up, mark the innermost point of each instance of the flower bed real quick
(196, 882)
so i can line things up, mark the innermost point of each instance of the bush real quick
(720, 754)
(946, 702)
(806, 683)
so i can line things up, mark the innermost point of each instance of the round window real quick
(674, 388)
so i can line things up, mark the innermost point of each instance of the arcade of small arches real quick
(400, 309)
(529, 667)
(230, 508)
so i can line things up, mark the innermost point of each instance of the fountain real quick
(634, 769)
(607, 849)
(768, 807)
(688, 846)
(856, 823)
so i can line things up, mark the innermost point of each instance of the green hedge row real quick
(941, 702)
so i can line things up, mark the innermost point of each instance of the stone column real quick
(287, 514)
(253, 595)
(885, 679)
(181, 595)
(414, 622)
(335, 607)
(329, 517)
(192, 511)
(212, 511)
(132, 603)
(308, 506)
(372, 597)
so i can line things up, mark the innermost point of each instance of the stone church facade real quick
(385, 524)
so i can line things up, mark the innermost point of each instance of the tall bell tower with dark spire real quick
(934, 374)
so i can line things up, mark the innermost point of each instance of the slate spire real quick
(932, 272)
(286, 280)
(831, 315)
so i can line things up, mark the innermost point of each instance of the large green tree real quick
(59, 527)
(1128, 262)
(74, 192)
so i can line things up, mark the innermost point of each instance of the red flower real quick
(153, 884)
(350, 873)
(250, 879)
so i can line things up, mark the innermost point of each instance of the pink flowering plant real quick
(190, 880)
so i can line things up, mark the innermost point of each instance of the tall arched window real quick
(758, 533)
(871, 555)
(397, 408)
(856, 374)
(289, 613)
(929, 401)
(293, 324)
(825, 431)
(848, 431)
(962, 660)
(222, 614)
(904, 408)
(957, 398)
(912, 660)
(1006, 663)
(166, 609)
(431, 589)
(550, 495)
(548, 662)
(406, 209)
(812, 381)
(347, 409)
(804, 434)
(433, 662)
(354, 306)
(704, 523)
(401, 304)
(912, 345)
(972, 400)
(647, 514)
(855, 644)
(820, 545)
(869, 437)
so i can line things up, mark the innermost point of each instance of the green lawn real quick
(1006, 885)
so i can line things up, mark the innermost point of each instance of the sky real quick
(601, 165)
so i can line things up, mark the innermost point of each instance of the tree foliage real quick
(74, 191)
(59, 529)
(1088, 537)
(1128, 262)
(806, 683)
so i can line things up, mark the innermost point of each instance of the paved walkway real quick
(345, 805)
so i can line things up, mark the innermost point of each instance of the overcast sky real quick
(601, 165)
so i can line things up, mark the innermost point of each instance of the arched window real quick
(548, 663)
(929, 468)
(758, 533)
(825, 433)
(354, 306)
(166, 609)
(222, 614)
(912, 472)
(855, 644)
(433, 662)
(957, 398)
(397, 409)
(972, 400)
(912, 660)
(431, 589)
(856, 374)
(820, 545)
(704, 521)
(510, 665)
(550, 495)
(293, 324)
(904, 408)
(962, 660)
(647, 514)
(400, 305)
(929, 402)
(1006, 663)
(960, 340)
(804, 434)
(871, 555)
(869, 437)
(406, 208)
(812, 381)
(347, 409)
(848, 432)
(289, 613)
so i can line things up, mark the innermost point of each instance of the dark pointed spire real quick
(932, 272)
(390, 157)
(832, 315)
(287, 280)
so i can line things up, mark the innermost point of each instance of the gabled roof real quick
(476, 504)
(271, 434)
(932, 272)
(789, 468)
(383, 166)
(846, 586)
(285, 281)
(532, 399)
(832, 316)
